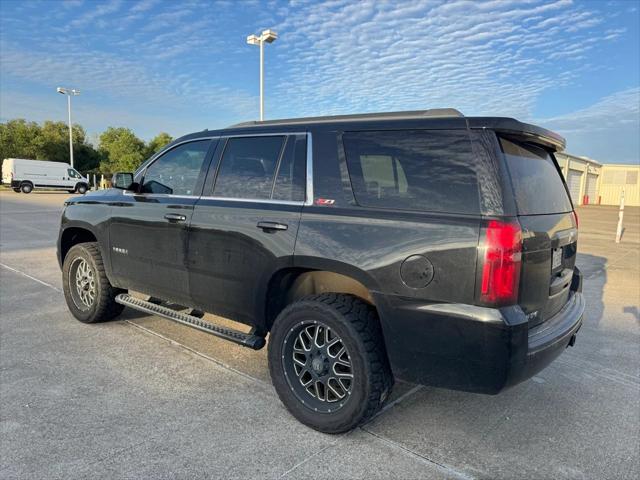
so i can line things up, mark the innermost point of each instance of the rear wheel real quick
(89, 295)
(26, 187)
(328, 362)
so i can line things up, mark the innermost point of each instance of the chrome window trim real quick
(161, 195)
(309, 190)
(155, 156)
(309, 172)
(253, 200)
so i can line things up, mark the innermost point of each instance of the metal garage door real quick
(592, 181)
(574, 180)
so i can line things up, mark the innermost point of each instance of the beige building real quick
(593, 183)
(615, 179)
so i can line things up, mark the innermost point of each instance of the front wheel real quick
(328, 361)
(87, 291)
(81, 188)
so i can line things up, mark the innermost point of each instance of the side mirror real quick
(122, 180)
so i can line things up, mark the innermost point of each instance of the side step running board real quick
(250, 340)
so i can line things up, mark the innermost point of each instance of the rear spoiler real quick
(522, 131)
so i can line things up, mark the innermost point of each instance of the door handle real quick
(175, 217)
(271, 226)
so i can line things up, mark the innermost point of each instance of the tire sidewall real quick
(26, 188)
(79, 251)
(347, 416)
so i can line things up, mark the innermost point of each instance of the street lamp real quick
(69, 92)
(268, 36)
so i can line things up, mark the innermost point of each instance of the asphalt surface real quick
(144, 398)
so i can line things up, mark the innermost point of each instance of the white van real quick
(25, 175)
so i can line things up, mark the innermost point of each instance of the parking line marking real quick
(29, 276)
(443, 467)
(401, 398)
(302, 462)
(200, 354)
(228, 367)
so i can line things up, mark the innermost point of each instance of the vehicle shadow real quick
(594, 279)
(465, 430)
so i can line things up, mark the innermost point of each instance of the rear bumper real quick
(470, 348)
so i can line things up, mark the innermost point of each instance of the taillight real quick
(502, 260)
(575, 216)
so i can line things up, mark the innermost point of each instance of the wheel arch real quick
(74, 235)
(306, 278)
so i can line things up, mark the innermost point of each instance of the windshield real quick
(537, 183)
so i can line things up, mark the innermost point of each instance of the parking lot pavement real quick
(142, 397)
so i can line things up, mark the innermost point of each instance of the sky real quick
(182, 66)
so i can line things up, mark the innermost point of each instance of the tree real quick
(22, 139)
(157, 143)
(119, 148)
(18, 139)
(54, 142)
(122, 151)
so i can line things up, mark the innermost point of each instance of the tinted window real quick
(290, 182)
(177, 171)
(413, 170)
(248, 167)
(537, 184)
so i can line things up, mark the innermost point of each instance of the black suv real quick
(426, 246)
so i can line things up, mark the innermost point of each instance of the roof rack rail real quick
(413, 114)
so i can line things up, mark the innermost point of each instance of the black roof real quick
(438, 118)
(406, 115)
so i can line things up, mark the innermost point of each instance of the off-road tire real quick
(26, 187)
(104, 306)
(356, 323)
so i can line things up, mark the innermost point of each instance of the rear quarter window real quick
(537, 184)
(423, 170)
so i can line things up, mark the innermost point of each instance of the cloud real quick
(617, 110)
(100, 10)
(72, 3)
(143, 6)
(608, 130)
(189, 59)
(493, 57)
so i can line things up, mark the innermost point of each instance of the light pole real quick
(69, 92)
(268, 36)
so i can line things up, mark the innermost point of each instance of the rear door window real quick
(537, 184)
(248, 167)
(425, 170)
